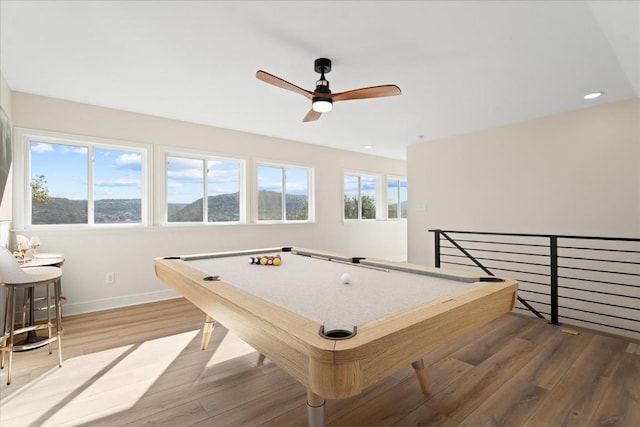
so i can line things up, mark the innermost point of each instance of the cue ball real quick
(346, 278)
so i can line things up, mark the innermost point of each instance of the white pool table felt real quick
(317, 292)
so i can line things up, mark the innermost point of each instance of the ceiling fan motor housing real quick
(322, 65)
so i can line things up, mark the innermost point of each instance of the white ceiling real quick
(462, 66)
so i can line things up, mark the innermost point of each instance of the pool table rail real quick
(340, 368)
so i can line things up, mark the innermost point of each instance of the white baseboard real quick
(82, 307)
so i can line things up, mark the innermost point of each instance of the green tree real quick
(350, 207)
(39, 190)
(368, 207)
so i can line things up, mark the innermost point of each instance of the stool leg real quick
(11, 298)
(59, 298)
(49, 315)
(5, 325)
(58, 310)
(26, 306)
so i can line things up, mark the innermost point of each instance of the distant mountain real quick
(66, 211)
(270, 206)
(221, 208)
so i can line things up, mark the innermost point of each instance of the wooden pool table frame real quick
(336, 369)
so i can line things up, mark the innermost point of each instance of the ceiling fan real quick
(322, 99)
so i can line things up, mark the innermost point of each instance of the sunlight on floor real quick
(229, 348)
(94, 385)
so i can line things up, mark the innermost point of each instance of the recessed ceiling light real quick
(593, 95)
(368, 147)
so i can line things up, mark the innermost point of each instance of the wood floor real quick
(143, 366)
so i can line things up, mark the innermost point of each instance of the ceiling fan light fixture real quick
(322, 105)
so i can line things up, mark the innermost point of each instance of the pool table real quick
(336, 323)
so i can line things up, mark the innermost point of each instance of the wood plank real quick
(465, 394)
(553, 357)
(491, 342)
(621, 403)
(509, 405)
(573, 401)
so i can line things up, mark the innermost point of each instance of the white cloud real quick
(118, 183)
(41, 147)
(129, 160)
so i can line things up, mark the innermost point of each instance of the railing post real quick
(553, 255)
(436, 252)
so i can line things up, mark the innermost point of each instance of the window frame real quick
(310, 196)
(163, 205)
(378, 195)
(22, 163)
(399, 180)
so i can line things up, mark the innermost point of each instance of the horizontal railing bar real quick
(604, 282)
(542, 275)
(599, 314)
(547, 265)
(595, 270)
(597, 292)
(602, 324)
(601, 303)
(561, 236)
(498, 252)
(599, 249)
(492, 242)
(496, 268)
(500, 260)
(617, 261)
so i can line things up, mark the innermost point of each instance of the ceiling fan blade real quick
(367, 92)
(311, 116)
(277, 81)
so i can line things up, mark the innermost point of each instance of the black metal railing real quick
(593, 280)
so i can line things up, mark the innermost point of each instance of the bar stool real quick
(39, 301)
(13, 277)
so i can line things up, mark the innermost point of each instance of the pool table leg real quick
(315, 409)
(418, 367)
(207, 329)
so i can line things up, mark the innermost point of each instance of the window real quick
(77, 182)
(396, 198)
(284, 193)
(190, 180)
(360, 194)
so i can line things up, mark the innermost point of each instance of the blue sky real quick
(117, 173)
(270, 179)
(186, 178)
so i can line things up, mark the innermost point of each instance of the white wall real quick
(91, 253)
(574, 173)
(5, 204)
